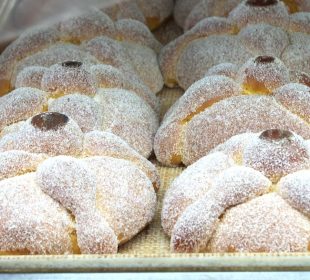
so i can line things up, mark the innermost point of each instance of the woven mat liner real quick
(152, 241)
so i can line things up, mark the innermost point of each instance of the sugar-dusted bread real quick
(92, 38)
(187, 13)
(229, 100)
(70, 88)
(250, 194)
(55, 134)
(102, 74)
(249, 30)
(63, 191)
(152, 13)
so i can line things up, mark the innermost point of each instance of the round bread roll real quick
(65, 192)
(253, 28)
(188, 13)
(250, 194)
(230, 100)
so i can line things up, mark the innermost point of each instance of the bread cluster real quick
(78, 114)
(79, 118)
(102, 74)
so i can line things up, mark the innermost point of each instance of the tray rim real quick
(155, 263)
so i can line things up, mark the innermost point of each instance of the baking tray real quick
(149, 250)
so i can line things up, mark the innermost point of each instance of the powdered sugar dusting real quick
(30, 101)
(199, 97)
(225, 69)
(83, 109)
(264, 224)
(263, 74)
(295, 189)
(297, 55)
(214, 221)
(107, 76)
(235, 185)
(264, 39)
(68, 181)
(190, 186)
(202, 54)
(64, 78)
(271, 98)
(94, 235)
(54, 54)
(169, 55)
(67, 140)
(144, 61)
(208, 8)
(28, 43)
(239, 114)
(130, 30)
(100, 143)
(126, 115)
(276, 158)
(245, 14)
(14, 163)
(86, 26)
(30, 77)
(45, 232)
(124, 195)
(300, 22)
(295, 97)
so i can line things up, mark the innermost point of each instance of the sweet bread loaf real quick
(188, 13)
(83, 38)
(250, 194)
(151, 13)
(259, 95)
(244, 34)
(65, 191)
